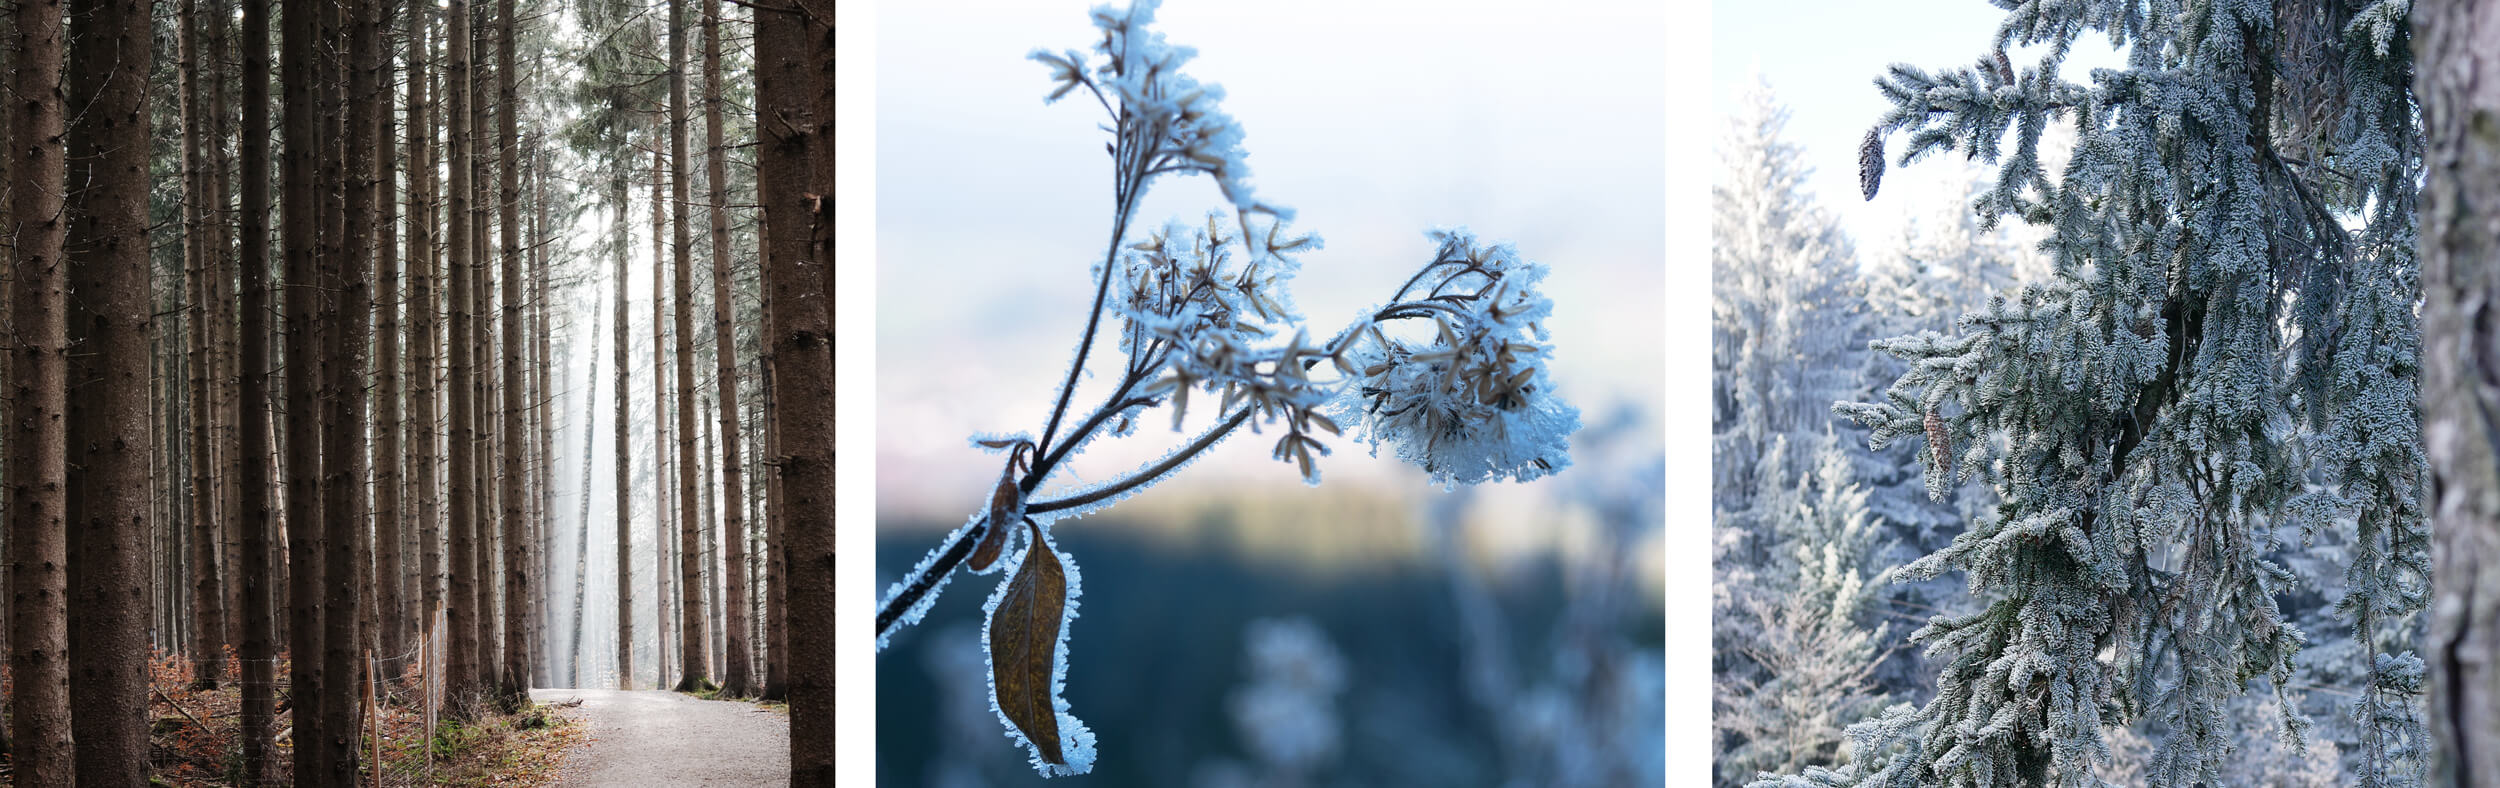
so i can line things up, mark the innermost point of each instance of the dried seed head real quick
(1871, 162)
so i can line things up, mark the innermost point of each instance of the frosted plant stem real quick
(1127, 204)
(1151, 473)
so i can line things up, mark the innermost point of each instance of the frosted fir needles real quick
(1452, 372)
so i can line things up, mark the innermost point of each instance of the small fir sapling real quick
(1451, 372)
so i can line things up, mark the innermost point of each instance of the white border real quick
(854, 369)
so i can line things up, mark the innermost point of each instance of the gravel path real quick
(663, 738)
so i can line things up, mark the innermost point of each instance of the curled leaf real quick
(1006, 508)
(1027, 649)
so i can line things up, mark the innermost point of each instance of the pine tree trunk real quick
(37, 470)
(581, 539)
(485, 382)
(107, 251)
(348, 270)
(207, 596)
(664, 515)
(620, 194)
(715, 629)
(463, 671)
(776, 580)
(695, 650)
(737, 673)
(542, 404)
(794, 53)
(254, 478)
(390, 423)
(515, 436)
(2458, 50)
(424, 340)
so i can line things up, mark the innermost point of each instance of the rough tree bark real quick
(111, 45)
(738, 676)
(208, 614)
(390, 422)
(253, 478)
(516, 531)
(794, 80)
(37, 471)
(350, 325)
(2457, 46)
(694, 650)
(619, 195)
(462, 674)
(662, 514)
(424, 304)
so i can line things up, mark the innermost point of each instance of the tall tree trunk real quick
(663, 514)
(2457, 46)
(207, 595)
(423, 305)
(347, 166)
(254, 477)
(107, 250)
(695, 649)
(516, 558)
(737, 674)
(717, 645)
(484, 383)
(223, 310)
(462, 674)
(776, 578)
(390, 423)
(620, 194)
(37, 469)
(794, 72)
(581, 539)
(542, 402)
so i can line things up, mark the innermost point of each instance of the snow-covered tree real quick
(1812, 646)
(1786, 336)
(2220, 364)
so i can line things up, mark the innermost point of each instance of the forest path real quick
(663, 738)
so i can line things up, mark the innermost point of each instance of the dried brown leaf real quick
(1024, 644)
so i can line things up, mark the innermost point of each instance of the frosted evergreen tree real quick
(1786, 331)
(1813, 644)
(2220, 364)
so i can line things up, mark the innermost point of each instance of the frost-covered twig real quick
(1466, 394)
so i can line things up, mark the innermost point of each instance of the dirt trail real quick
(663, 738)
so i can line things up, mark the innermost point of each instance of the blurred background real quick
(1239, 628)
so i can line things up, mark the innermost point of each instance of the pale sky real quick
(1543, 127)
(1821, 58)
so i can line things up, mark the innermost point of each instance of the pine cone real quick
(1871, 162)
(1940, 441)
(2005, 68)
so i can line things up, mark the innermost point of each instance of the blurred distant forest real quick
(1347, 636)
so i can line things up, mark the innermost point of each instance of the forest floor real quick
(666, 738)
(195, 737)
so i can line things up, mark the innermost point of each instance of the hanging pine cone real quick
(2005, 68)
(1871, 162)
(1940, 441)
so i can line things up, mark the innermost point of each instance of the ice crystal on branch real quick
(1473, 402)
(1198, 323)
